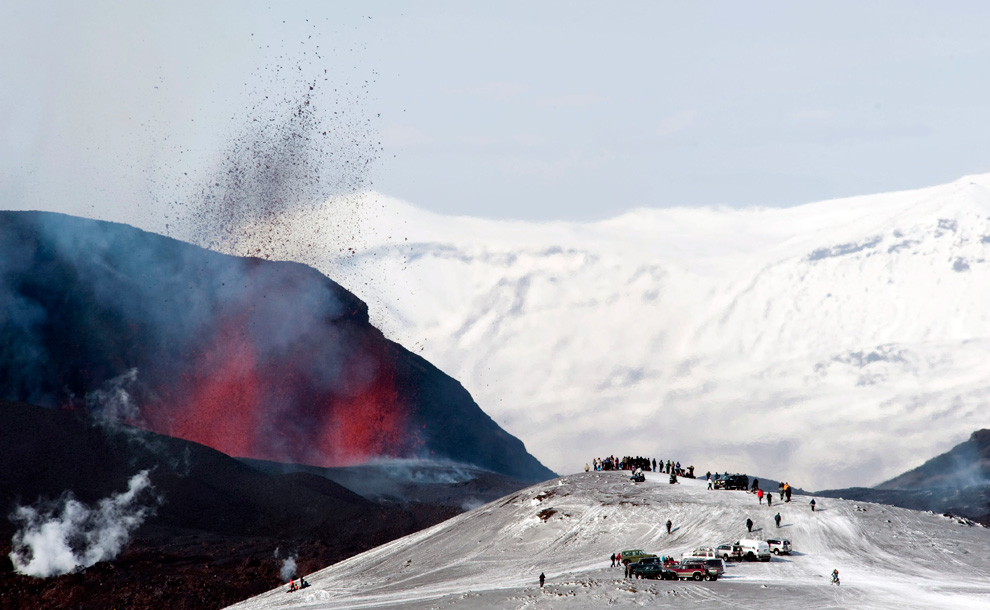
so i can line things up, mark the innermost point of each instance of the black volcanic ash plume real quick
(270, 360)
(306, 140)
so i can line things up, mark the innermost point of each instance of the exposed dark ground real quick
(213, 538)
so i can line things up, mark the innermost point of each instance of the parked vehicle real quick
(694, 570)
(710, 564)
(634, 555)
(754, 549)
(729, 552)
(703, 552)
(653, 570)
(779, 546)
(731, 481)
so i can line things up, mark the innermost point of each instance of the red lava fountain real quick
(224, 405)
(232, 401)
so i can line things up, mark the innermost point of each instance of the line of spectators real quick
(647, 464)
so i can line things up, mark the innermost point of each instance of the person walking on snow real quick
(769, 499)
(759, 494)
(777, 519)
(669, 525)
(749, 525)
(542, 578)
(613, 560)
(812, 505)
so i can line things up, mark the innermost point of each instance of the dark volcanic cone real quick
(268, 360)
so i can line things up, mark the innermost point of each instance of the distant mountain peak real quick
(967, 464)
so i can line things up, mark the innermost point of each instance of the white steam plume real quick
(56, 541)
(288, 571)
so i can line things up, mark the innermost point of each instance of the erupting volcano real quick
(259, 359)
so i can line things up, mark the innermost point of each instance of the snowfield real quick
(835, 344)
(491, 557)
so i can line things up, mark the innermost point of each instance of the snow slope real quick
(567, 528)
(834, 344)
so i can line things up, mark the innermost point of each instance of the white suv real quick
(754, 549)
(779, 546)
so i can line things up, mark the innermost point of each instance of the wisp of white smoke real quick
(113, 401)
(56, 541)
(288, 571)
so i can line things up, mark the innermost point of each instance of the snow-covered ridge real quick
(567, 528)
(837, 343)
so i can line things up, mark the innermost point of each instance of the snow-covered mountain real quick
(567, 528)
(831, 344)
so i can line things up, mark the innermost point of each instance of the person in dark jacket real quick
(669, 525)
(542, 578)
(776, 518)
(749, 525)
(613, 560)
(812, 505)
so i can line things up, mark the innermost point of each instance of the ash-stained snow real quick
(567, 528)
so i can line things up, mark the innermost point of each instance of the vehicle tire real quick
(776, 551)
(750, 557)
(696, 576)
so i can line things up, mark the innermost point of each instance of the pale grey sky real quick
(536, 110)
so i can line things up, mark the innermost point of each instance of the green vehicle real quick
(634, 555)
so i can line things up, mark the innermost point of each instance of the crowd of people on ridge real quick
(640, 463)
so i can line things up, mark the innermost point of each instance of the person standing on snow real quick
(776, 518)
(542, 578)
(613, 560)
(749, 525)
(812, 505)
(669, 525)
(769, 499)
(759, 494)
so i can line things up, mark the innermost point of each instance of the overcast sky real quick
(535, 110)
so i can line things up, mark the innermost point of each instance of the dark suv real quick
(732, 481)
(647, 568)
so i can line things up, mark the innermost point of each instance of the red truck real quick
(694, 570)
